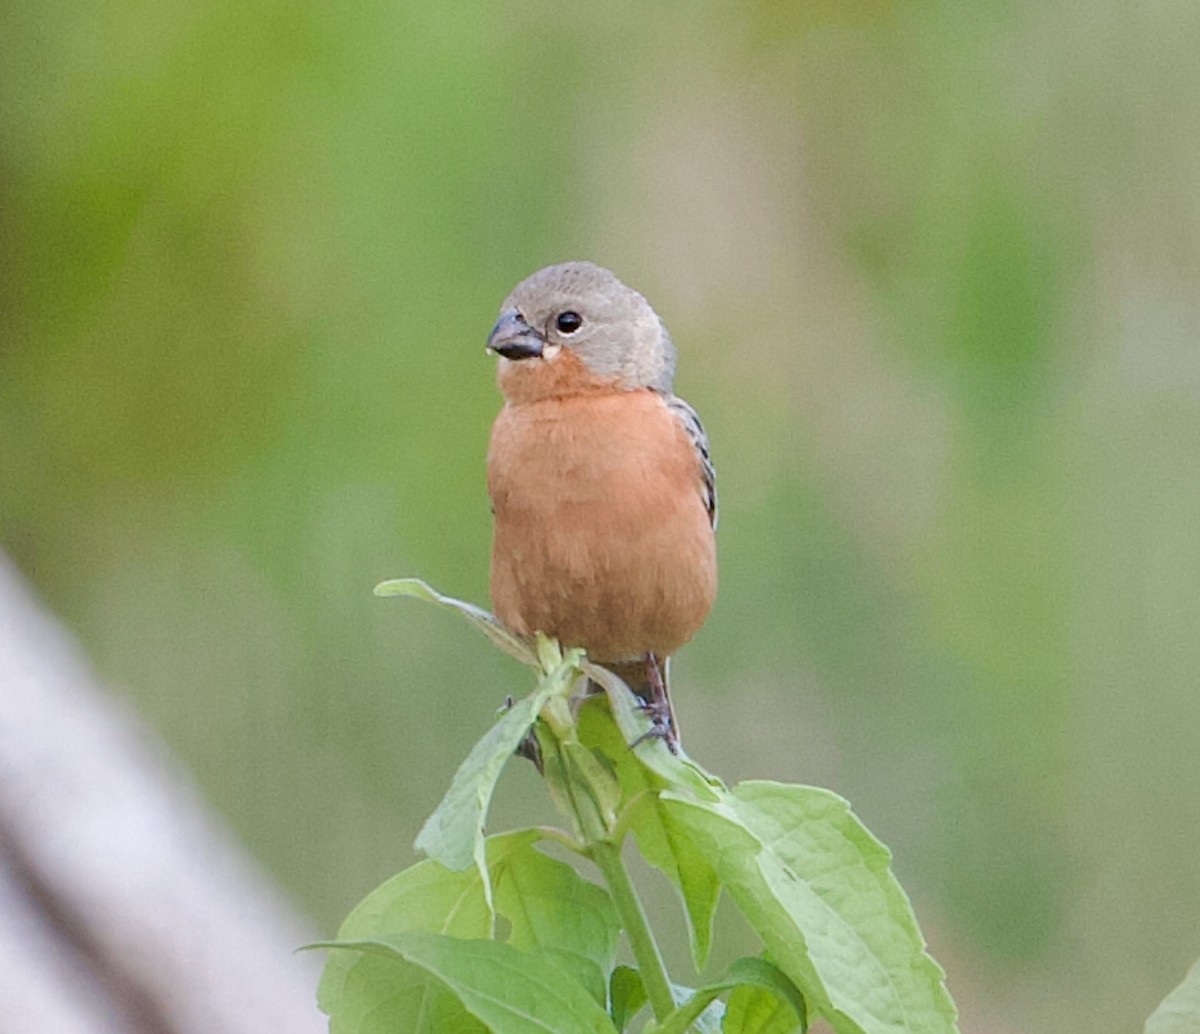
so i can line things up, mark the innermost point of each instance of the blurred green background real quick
(934, 272)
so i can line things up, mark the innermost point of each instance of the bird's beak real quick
(513, 338)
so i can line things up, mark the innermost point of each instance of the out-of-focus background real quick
(934, 273)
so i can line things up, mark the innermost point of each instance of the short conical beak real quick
(513, 338)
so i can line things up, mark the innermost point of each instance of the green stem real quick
(563, 838)
(587, 790)
(608, 859)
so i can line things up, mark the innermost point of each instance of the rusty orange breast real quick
(602, 537)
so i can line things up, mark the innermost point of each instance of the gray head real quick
(586, 309)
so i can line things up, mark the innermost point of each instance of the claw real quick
(531, 750)
(657, 731)
(658, 706)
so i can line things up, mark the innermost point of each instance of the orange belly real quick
(602, 538)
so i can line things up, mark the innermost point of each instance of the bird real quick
(602, 487)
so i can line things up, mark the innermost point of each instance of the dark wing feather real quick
(690, 422)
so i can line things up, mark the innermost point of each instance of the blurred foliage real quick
(933, 271)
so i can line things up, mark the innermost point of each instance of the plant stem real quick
(587, 791)
(607, 857)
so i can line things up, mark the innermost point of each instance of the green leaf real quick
(676, 770)
(385, 995)
(661, 842)
(594, 773)
(688, 1015)
(709, 1020)
(666, 846)
(548, 652)
(756, 973)
(551, 908)
(816, 887)
(508, 990)
(626, 995)
(487, 623)
(557, 776)
(364, 993)
(1179, 1012)
(764, 1000)
(752, 1010)
(453, 834)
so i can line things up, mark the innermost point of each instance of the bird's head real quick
(575, 326)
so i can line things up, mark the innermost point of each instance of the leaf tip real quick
(394, 587)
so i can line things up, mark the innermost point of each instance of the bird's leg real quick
(529, 748)
(658, 706)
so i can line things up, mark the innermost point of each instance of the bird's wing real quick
(690, 421)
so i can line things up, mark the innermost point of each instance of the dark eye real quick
(568, 322)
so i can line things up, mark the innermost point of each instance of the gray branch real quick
(126, 907)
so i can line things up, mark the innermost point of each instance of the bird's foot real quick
(661, 727)
(657, 704)
(529, 748)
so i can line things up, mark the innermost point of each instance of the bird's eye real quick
(568, 322)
